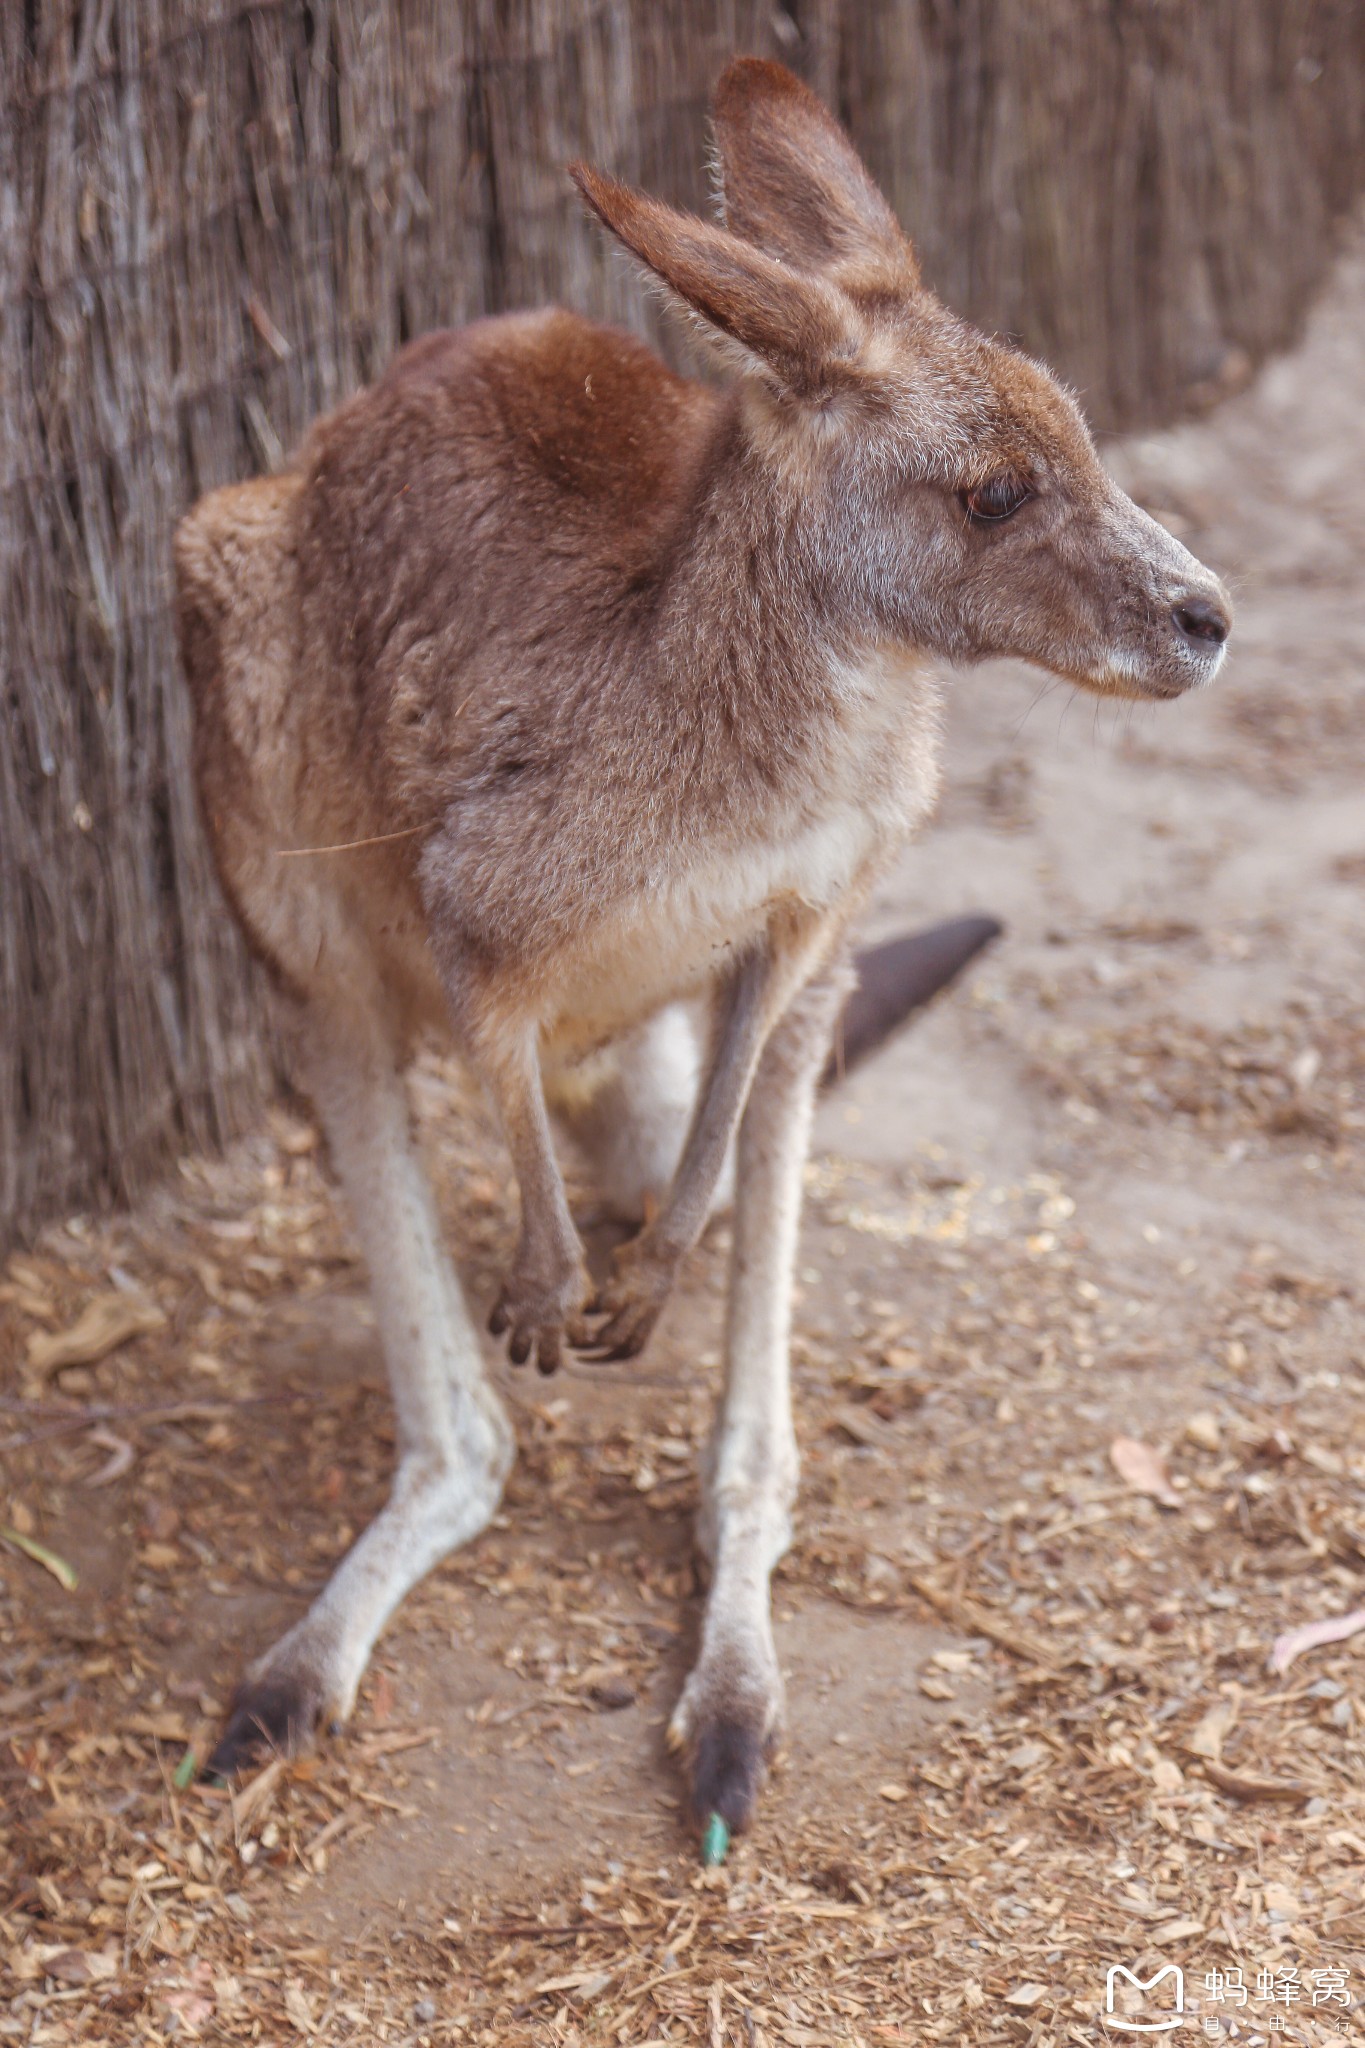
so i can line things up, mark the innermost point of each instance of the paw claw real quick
(624, 1335)
(628, 1306)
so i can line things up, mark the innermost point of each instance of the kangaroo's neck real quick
(750, 605)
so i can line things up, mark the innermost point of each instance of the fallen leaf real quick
(980, 1620)
(118, 1462)
(105, 1322)
(61, 1571)
(1143, 1469)
(256, 1793)
(1026, 1756)
(193, 2008)
(395, 1742)
(80, 1966)
(1311, 1635)
(1238, 1785)
(864, 1428)
(953, 1660)
(893, 1793)
(160, 1521)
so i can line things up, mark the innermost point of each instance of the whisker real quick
(346, 845)
(1048, 684)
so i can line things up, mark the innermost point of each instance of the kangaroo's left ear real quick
(792, 182)
(803, 330)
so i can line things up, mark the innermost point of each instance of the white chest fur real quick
(872, 785)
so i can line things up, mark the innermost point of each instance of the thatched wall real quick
(216, 218)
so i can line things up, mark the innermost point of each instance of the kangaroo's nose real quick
(1202, 618)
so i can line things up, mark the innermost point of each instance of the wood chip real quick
(297, 2006)
(1208, 1738)
(978, 1620)
(1172, 1931)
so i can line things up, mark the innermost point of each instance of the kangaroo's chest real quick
(812, 846)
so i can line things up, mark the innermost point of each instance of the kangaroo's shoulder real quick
(569, 410)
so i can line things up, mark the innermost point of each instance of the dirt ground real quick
(1112, 1187)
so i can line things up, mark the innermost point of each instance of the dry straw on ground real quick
(1103, 1772)
(217, 220)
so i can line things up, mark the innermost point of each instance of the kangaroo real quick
(606, 696)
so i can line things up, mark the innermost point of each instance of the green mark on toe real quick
(715, 1840)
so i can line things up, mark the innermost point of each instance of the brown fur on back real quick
(477, 607)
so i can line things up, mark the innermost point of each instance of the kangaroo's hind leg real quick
(731, 1706)
(455, 1445)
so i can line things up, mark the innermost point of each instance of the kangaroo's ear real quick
(792, 182)
(802, 328)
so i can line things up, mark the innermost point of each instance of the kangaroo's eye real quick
(998, 497)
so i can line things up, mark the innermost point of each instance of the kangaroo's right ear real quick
(802, 329)
(792, 182)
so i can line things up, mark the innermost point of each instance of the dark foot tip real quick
(263, 1721)
(728, 1775)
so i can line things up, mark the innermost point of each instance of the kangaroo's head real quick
(952, 495)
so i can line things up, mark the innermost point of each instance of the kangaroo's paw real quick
(633, 1299)
(537, 1310)
(271, 1716)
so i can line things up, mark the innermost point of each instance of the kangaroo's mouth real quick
(1140, 680)
(1181, 650)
